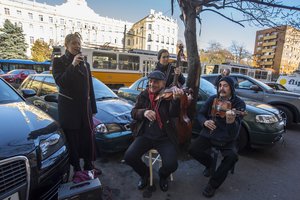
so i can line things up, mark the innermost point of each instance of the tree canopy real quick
(12, 42)
(40, 51)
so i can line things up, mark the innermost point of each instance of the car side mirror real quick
(256, 88)
(140, 89)
(28, 93)
(51, 98)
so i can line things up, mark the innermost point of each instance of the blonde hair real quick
(72, 36)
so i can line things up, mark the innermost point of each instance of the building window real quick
(78, 24)
(168, 29)
(31, 27)
(19, 12)
(173, 31)
(149, 38)
(128, 42)
(51, 31)
(172, 41)
(62, 33)
(30, 15)
(149, 26)
(42, 39)
(31, 39)
(168, 40)
(136, 41)
(162, 39)
(62, 21)
(6, 11)
(41, 18)
(51, 19)
(157, 38)
(41, 29)
(149, 47)
(20, 24)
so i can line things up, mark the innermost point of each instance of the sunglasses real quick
(165, 57)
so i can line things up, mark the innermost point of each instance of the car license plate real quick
(14, 196)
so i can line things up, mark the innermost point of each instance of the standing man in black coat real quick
(156, 131)
(218, 131)
(169, 70)
(76, 105)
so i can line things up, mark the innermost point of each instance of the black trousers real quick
(166, 149)
(81, 145)
(200, 150)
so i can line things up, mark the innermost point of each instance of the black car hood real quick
(22, 126)
(114, 111)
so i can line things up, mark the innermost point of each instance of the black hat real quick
(158, 75)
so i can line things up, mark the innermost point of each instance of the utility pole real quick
(124, 39)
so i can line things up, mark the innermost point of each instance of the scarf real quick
(154, 106)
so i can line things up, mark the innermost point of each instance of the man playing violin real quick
(220, 129)
(156, 130)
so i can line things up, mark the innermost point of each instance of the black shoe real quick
(163, 183)
(143, 182)
(207, 172)
(209, 191)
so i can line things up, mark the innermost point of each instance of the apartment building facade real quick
(52, 23)
(153, 32)
(278, 49)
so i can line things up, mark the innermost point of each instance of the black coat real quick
(169, 72)
(224, 132)
(76, 101)
(168, 110)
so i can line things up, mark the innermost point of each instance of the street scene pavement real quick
(260, 174)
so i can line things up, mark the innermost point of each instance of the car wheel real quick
(242, 141)
(286, 114)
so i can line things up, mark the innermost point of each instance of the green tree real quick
(40, 51)
(12, 42)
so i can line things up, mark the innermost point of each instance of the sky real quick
(214, 28)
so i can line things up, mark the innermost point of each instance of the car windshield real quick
(14, 72)
(102, 91)
(207, 87)
(1, 72)
(8, 95)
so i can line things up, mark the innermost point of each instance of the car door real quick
(49, 88)
(247, 88)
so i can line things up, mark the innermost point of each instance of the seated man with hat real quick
(156, 130)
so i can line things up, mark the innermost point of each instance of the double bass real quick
(183, 122)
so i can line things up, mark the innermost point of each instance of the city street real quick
(260, 174)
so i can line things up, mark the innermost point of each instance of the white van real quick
(291, 82)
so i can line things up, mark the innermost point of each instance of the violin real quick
(220, 107)
(167, 94)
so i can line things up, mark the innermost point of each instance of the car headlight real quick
(50, 145)
(108, 128)
(266, 119)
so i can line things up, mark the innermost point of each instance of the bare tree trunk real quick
(194, 70)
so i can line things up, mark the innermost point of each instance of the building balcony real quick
(267, 56)
(267, 50)
(270, 37)
(266, 63)
(269, 44)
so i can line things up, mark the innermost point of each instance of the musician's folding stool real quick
(153, 156)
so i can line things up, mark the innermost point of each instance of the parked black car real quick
(111, 123)
(33, 151)
(288, 103)
(262, 126)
